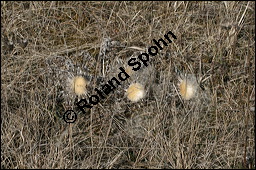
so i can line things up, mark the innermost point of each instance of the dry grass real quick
(215, 41)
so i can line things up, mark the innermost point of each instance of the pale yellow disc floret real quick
(187, 89)
(135, 92)
(79, 85)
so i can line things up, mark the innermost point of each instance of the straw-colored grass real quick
(215, 42)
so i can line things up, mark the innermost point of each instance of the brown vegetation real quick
(215, 42)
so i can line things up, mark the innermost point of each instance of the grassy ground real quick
(215, 42)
